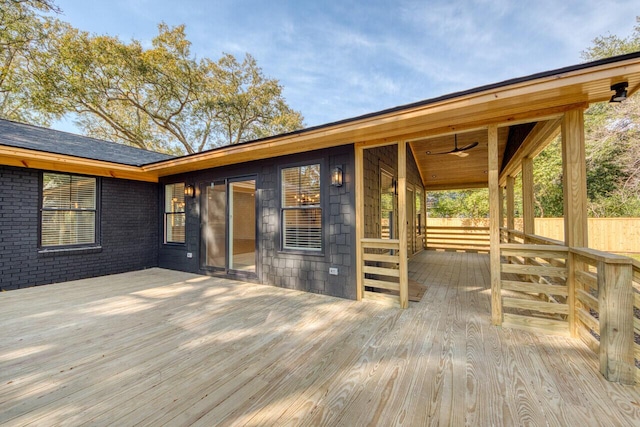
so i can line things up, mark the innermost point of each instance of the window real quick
(301, 211)
(68, 210)
(174, 213)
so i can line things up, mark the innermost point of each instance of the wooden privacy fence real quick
(619, 235)
(463, 238)
(579, 292)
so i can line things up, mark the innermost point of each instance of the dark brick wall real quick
(308, 272)
(129, 232)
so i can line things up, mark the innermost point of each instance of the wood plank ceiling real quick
(447, 171)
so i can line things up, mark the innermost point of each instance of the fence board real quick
(604, 233)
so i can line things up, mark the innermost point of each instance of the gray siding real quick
(306, 272)
(129, 232)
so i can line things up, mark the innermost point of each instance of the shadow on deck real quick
(163, 347)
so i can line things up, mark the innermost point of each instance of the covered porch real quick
(163, 347)
(537, 284)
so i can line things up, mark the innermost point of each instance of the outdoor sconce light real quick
(336, 176)
(189, 191)
(621, 92)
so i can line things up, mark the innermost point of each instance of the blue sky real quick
(340, 59)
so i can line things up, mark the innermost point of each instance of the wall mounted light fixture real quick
(189, 191)
(336, 176)
(621, 92)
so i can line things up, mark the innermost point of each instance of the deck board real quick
(159, 347)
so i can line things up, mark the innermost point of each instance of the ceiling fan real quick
(457, 151)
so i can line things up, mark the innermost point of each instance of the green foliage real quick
(460, 204)
(612, 45)
(160, 98)
(22, 30)
(547, 178)
(612, 145)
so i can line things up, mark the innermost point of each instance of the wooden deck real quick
(159, 347)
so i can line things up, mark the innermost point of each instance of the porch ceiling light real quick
(189, 191)
(336, 176)
(621, 92)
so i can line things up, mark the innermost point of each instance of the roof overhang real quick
(20, 157)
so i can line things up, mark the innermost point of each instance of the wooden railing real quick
(535, 280)
(458, 238)
(381, 271)
(584, 293)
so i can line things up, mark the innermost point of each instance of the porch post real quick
(511, 205)
(402, 224)
(528, 215)
(501, 205)
(359, 181)
(494, 227)
(574, 187)
(574, 179)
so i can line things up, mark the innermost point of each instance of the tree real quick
(22, 29)
(160, 98)
(612, 145)
(612, 45)
(460, 204)
(612, 140)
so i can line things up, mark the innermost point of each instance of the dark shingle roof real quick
(31, 137)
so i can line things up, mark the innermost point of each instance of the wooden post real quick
(574, 183)
(494, 227)
(359, 181)
(511, 205)
(615, 300)
(528, 214)
(574, 179)
(501, 205)
(402, 224)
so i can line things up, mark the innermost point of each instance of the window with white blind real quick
(174, 213)
(301, 208)
(68, 210)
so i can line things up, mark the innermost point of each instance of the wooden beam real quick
(539, 137)
(511, 202)
(23, 158)
(402, 224)
(574, 179)
(494, 228)
(528, 214)
(359, 181)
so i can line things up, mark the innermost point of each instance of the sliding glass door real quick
(228, 209)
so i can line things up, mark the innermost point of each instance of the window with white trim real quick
(174, 213)
(68, 210)
(301, 208)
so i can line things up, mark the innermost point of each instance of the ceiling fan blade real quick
(460, 152)
(444, 152)
(468, 147)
